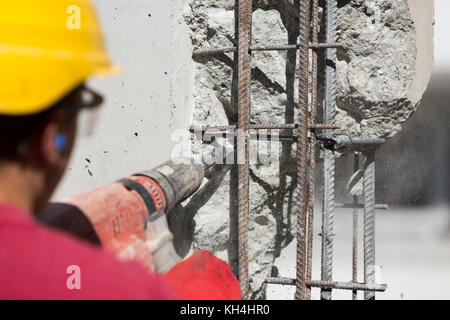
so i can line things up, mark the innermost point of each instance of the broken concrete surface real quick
(271, 191)
(384, 71)
(381, 77)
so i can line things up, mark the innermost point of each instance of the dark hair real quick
(15, 130)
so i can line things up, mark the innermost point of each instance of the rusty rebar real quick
(305, 149)
(301, 153)
(313, 45)
(267, 126)
(280, 47)
(312, 145)
(369, 222)
(252, 136)
(330, 284)
(329, 162)
(244, 78)
(355, 230)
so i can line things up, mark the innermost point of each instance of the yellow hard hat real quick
(47, 48)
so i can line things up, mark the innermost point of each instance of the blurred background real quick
(413, 177)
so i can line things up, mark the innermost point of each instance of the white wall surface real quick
(152, 97)
(442, 33)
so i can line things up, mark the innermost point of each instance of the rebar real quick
(347, 141)
(313, 45)
(378, 206)
(312, 146)
(301, 153)
(305, 155)
(267, 126)
(281, 47)
(244, 75)
(355, 230)
(330, 284)
(369, 222)
(253, 136)
(329, 166)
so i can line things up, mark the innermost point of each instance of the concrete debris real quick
(377, 73)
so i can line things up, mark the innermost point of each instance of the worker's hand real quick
(203, 277)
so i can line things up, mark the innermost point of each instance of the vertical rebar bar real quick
(302, 142)
(355, 230)
(244, 74)
(312, 143)
(369, 222)
(329, 166)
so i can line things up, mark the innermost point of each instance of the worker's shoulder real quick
(39, 262)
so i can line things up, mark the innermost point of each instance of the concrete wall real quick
(146, 103)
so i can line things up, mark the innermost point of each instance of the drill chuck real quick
(177, 178)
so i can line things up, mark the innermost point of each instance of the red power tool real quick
(127, 217)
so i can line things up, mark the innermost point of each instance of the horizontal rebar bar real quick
(347, 141)
(331, 284)
(324, 126)
(296, 46)
(267, 48)
(266, 126)
(380, 206)
(213, 128)
(252, 136)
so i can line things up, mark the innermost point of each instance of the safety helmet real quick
(47, 48)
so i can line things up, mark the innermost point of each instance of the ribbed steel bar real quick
(301, 153)
(369, 222)
(329, 166)
(355, 230)
(330, 284)
(378, 206)
(312, 144)
(213, 128)
(253, 136)
(211, 51)
(266, 126)
(314, 45)
(244, 78)
(347, 141)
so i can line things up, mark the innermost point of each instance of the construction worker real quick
(46, 54)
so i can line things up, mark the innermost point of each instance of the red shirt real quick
(35, 263)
